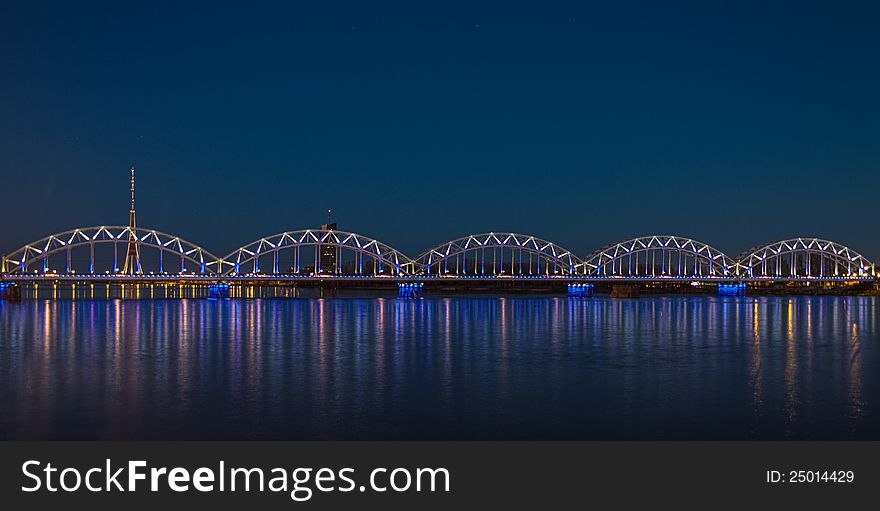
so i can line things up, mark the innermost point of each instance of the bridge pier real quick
(218, 290)
(10, 291)
(731, 289)
(409, 290)
(580, 290)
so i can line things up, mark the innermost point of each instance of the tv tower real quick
(132, 256)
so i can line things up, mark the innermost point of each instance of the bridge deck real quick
(282, 279)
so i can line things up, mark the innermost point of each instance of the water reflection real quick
(462, 367)
(756, 376)
(854, 380)
(791, 368)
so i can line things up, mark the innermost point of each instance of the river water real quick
(465, 367)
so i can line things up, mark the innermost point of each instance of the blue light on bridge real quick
(218, 290)
(736, 289)
(409, 290)
(580, 290)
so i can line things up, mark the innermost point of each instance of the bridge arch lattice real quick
(484, 254)
(335, 253)
(804, 258)
(659, 256)
(44, 252)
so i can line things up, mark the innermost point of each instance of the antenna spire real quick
(133, 255)
(132, 188)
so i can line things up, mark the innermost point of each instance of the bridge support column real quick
(10, 291)
(580, 290)
(731, 289)
(409, 290)
(218, 290)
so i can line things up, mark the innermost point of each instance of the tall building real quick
(328, 252)
(132, 264)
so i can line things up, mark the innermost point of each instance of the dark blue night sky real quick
(578, 123)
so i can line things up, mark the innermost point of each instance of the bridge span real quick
(95, 254)
(135, 255)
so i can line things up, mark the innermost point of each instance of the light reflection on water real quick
(463, 367)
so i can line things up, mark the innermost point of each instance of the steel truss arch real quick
(437, 259)
(40, 250)
(804, 257)
(385, 256)
(679, 257)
